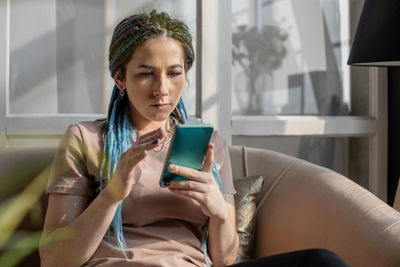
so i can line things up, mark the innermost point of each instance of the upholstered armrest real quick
(19, 169)
(307, 206)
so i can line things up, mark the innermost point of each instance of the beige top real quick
(160, 228)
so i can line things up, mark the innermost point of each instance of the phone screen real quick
(188, 148)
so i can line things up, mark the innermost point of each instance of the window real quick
(303, 100)
(297, 95)
(56, 70)
(290, 58)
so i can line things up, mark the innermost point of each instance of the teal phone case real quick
(188, 148)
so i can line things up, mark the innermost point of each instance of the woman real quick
(106, 172)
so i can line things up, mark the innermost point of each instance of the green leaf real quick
(20, 249)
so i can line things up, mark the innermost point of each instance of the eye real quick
(144, 74)
(173, 73)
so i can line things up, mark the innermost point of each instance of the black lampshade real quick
(377, 39)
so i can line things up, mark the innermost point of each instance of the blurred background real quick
(282, 84)
(269, 74)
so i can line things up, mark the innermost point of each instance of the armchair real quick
(301, 206)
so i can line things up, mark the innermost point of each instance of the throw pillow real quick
(247, 189)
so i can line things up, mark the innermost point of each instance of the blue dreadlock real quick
(117, 140)
(119, 136)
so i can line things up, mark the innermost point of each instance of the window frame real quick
(373, 126)
(214, 59)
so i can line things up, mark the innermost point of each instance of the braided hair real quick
(128, 35)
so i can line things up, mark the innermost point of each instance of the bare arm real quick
(73, 230)
(223, 241)
(202, 188)
(70, 239)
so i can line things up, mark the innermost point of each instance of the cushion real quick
(247, 189)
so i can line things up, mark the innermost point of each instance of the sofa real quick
(300, 206)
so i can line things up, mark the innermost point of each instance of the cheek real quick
(178, 86)
(139, 88)
(141, 85)
(137, 96)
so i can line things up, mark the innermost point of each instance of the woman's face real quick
(154, 80)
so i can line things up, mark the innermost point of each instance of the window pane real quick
(59, 52)
(57, 56)
(184, 10)
(290, 58)
(348, 156)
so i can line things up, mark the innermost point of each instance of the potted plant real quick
(258, 52)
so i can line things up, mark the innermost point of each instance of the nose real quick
(161, 88)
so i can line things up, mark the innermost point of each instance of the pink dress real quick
(160, 228)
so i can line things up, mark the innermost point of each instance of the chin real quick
(159, 117)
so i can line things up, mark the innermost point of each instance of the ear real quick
(118, 79)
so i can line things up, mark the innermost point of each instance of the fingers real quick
(189, 185)
(150, 136)
(192, 174)
(146, 141)
(196, 196)
(138, 151)
(185, 172)
(208, 161)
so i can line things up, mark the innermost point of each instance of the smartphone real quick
(188, 148)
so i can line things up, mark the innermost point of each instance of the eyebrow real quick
(144, 66)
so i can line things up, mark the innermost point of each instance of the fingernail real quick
(155, 141)
(172, 167)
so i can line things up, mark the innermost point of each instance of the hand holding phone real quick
(188, 147)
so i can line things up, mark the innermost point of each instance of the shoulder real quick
(84, 127)
(85, 134)
(91, 127)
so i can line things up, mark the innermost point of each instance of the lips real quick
(161, 106)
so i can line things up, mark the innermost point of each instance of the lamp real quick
(377, 39)
(377, 43)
